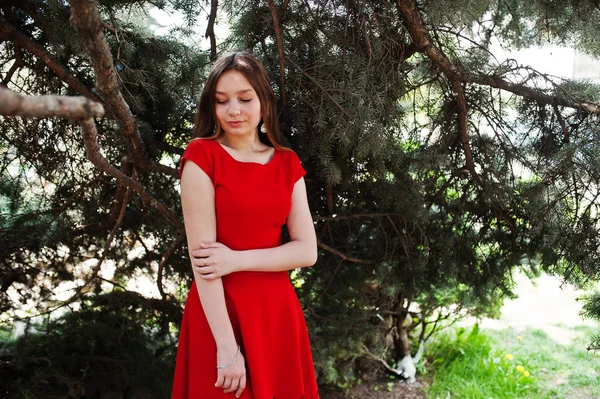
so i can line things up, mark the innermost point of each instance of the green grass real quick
(563, 369)
(473, 364)
(467, 365)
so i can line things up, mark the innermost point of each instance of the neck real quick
(241, 143)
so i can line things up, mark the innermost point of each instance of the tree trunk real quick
(405, 367)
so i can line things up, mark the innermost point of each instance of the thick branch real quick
(422, 41)
(210, 29)
(279, 41)
(18, 63)
(87, 21)
(9, 32)
(533, 94)
(76, 108)
(461, 103)
(343, 255)
(457, 77)
(90, 138)
(355, 216)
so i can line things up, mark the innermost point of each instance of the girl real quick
(243, 332)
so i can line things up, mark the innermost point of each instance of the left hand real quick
(214, 260)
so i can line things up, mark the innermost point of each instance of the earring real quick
(263, 128)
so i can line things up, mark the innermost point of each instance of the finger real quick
(227, 383)
(220, 379)
(234, 385)
(201, 262)
(211, 245)
(201, 253)
(211, 276)
(241, 386)
(204, 269)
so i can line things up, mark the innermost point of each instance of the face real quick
(237, 105)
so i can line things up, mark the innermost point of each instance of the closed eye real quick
(242, 100)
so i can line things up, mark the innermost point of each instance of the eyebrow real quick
(239, 92)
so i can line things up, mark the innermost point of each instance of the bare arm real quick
(198, 203)
(301, 251)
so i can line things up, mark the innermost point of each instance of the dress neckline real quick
(246, 162)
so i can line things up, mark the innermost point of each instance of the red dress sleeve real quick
(296, 167)
(198, 152)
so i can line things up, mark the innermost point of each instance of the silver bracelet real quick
(232, 360)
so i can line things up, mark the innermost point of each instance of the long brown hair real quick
(206, 122)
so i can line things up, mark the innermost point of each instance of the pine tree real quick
(434, 171)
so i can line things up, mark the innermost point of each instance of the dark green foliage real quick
(591, 310)
(408, 236)
(115, 344)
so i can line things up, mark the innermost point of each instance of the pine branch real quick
(414, 25)
(363, 24)
(320, 87)
(381, 360)
(458, 76)
(9, 32)
(279, 41)
(174, 245)
(122, 190)
(87, 21)
(18, 63)
(90, 138)
(210, 29)
(533, 94)
(329, 196)
(111, 236)
(75, 108)
(343, 255)
(355, 216)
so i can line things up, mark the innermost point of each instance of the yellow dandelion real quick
(519, 338)
(509, 356)
(520, 369)
(526, 374)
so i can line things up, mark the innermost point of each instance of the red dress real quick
(252, 202)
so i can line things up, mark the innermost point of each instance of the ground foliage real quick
(469, 365)
(434, 170)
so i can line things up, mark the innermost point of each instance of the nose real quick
(234, 108)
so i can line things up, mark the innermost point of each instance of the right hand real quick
(232, 378)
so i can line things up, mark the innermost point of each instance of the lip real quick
(235, 123)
